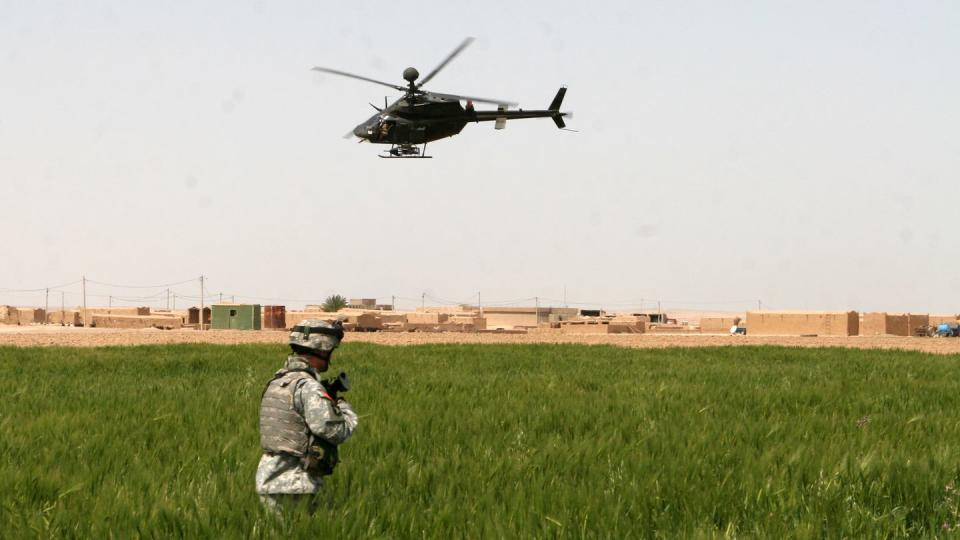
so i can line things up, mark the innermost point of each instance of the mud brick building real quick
(795, 323)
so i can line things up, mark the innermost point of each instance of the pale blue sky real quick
(801, 153)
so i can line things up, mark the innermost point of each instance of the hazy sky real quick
(804, 154)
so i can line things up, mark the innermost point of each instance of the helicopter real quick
(420, 116)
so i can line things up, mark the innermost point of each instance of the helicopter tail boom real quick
(502, 114)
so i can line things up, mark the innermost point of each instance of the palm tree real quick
(334, 303)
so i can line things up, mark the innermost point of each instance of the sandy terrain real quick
(27, 336)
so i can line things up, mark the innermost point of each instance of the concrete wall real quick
(882, 323)
(32, 315)
(22, 316)
(134, 321)
(470, 321)
(602, 327)
(522, 317)
(917, 320)
(293, 317)
(672, 329)
(369, 321)
(9, 315)
(556, 315)
(447, 309)
(791, 323)
(393, 317)
(423, 317)
(939, 319)
(125, 310)
(511, 320)
(68, 317)
(180, 313)
(717, 325)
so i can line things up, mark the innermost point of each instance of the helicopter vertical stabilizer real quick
(558, 99)
(555, 107)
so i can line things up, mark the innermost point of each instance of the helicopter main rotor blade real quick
(446, 61)
(477, 99)
(352, 76)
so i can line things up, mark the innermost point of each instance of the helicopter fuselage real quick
(427, 117)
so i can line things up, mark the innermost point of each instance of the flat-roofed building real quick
(795, 323)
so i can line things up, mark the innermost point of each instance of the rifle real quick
(336, 385)
(322, 457)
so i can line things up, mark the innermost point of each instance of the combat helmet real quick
(316, 335)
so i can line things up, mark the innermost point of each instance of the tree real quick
(334, 303)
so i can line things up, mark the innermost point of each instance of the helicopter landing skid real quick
(406, 151)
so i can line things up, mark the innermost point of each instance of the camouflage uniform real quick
(283, 479)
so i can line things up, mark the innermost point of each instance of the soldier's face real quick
(319, 361)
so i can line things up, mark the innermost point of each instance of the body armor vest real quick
(282, 428)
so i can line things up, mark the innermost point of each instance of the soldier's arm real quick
(326, 420)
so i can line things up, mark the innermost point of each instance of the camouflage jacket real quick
(332, 422)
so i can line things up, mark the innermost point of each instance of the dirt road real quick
(29, 336)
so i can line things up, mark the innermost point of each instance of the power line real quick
(3, 289)
(191, 280)
(449, 302)
(306, 301)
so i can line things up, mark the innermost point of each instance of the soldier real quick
(301, 424)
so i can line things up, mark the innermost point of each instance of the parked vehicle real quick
(948, 330)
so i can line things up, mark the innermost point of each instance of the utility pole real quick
(221, 298)
(233, 299)
(423, 299)
(84, 278)
(46, 305)
(536, 300)
(393, 302)
(63, 312)
(168, 299)
(201, 302)
(110, 302)
(659, 313)
(759, 308)
(479, 303)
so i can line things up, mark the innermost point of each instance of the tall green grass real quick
(491, 441)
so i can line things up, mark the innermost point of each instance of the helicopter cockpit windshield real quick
(376, 128)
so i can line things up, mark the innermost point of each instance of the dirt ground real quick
(30, 336)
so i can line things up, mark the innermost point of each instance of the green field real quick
(491, 441)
